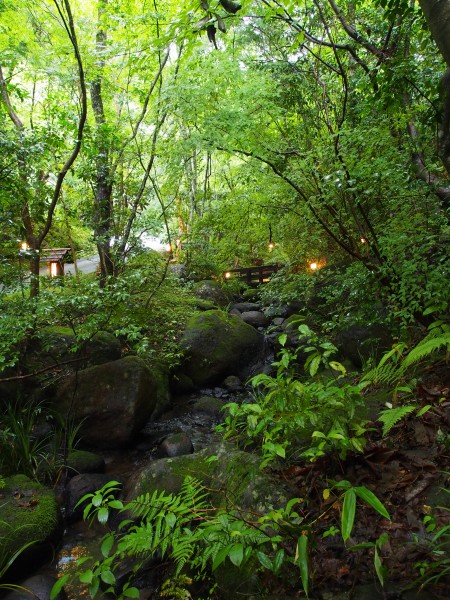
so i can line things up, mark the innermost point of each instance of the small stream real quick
(195, 415)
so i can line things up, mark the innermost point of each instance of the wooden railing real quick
(252, 275)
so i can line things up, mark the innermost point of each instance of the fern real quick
(426, 347)
(185, 529)
(392, 416)
(392, 367)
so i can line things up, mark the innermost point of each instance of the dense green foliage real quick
(220, 127)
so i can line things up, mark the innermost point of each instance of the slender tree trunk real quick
(103, 180)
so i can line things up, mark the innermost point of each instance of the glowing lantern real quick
(24, 246)
(168, 247)
(227, 275)
(313, 266)
(271, 245)
(53, 269)
(363, 241)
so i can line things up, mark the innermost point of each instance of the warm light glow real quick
(168, 247)
(363, 241)
(271, 245)
(24, 246)
(53, 269)
(313, 266)
(227, 275)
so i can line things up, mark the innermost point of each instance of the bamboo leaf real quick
(301, 559)
(370, 499)
(348, 513)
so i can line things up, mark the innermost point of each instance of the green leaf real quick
(370, 499)
(221, 556)
(337, 366)
(264, 560)
(118, 504)
(282, 339)
(278, 560)
(93, 588)
(131, 592)
(86, 577)
(103, 515)
(107, 544)
(108, 577)
(314, 365)
(97, 500)
(58, 586)
(348, 513)
(378, 566)
(171, 519)
(423, 410)
(301, 559)
(236, 554)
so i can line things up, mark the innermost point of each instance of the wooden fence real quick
(252, 275)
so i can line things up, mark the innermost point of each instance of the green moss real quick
(29, 512)
(235, 473)
(82, 461)
(218, 344)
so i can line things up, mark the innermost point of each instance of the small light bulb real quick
(313, 266)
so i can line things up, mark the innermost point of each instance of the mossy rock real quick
(217, 344)
(113, 401)
(82, 461)
(220, 467)
(57, 342)
(29, 513)
(212, 291)
(56, 345)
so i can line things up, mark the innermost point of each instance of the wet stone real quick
(176, 444)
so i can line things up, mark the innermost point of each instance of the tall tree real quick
(46, 181)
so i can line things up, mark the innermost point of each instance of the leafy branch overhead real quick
(212, 18)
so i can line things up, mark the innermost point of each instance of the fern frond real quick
(386, 373)
(427, 347)
(392, 416)
(183, 549)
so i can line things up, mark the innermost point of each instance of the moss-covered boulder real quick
(83, 461)
(29, 513)
(359, 343)
(234, 472)
(217, 344)
(212, 291)
(57, 343)
(113, 401)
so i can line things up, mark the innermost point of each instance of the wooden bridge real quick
(252, 275)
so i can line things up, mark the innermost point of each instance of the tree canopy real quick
(224, 124)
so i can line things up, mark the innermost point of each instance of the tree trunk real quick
(437, 15)
(103, 182)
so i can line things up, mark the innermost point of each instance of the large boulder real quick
(56, 344)
(224, 470)
(29, 513)
(211, 290)
(216, 345)
(359, 343)
(113, 401)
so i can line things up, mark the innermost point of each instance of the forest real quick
(216, 437)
